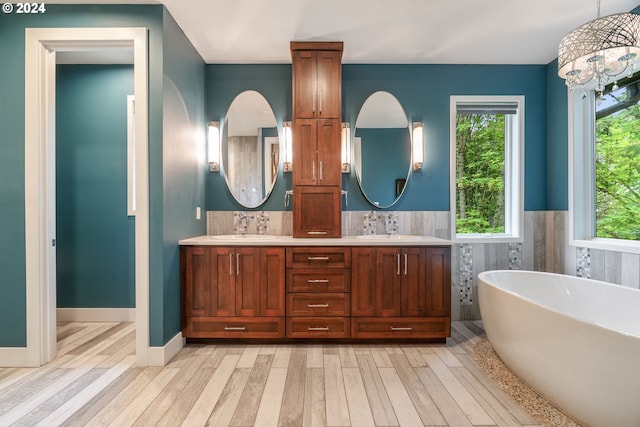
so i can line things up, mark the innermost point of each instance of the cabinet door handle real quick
(321, 178)
(318, 281)
(230, 264)
(394, 328)
(317, 258)
(235, 328)
(405, 264)
(320, 96)
(398, 271)
(313, 169)
(237, 264)
(318, 305)
(315, 90)
(316, 232)
(324, 328)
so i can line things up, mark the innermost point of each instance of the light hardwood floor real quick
(94, 381)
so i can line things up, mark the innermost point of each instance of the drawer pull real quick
(318, 281)
(317, 258)
(325, 328)
(318, 232)
(318, 305)
(235, 328)
(393, 328)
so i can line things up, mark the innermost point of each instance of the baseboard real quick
(96, 314)
(160, 356)
(15, 357)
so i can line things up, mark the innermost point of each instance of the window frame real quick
(582, 170)
(514, 171)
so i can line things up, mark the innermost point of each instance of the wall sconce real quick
(346, 148)
(213, 145)
(418, 147)
(286, 164)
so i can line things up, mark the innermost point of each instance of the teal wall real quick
(172, 184)
(424, 92)
(223, 84)
(557, 141)
(12, 87)
(183, 174)
(95, 238)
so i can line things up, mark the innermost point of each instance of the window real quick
(487, 135)
(604, 188)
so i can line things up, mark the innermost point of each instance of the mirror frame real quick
(353, 136)
(224, 147)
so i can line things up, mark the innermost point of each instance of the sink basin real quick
(387, 237)
(244, 237)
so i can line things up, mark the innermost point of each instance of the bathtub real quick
(575, 341)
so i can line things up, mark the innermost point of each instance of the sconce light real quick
(418, 147)
(346, 145)
(286, 164)
(213, 142)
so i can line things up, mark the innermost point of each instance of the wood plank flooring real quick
(94, 382)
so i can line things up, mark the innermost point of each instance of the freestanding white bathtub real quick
(575, 341)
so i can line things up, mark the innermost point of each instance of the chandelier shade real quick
(602, 49)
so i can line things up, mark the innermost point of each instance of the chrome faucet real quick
(242, 222)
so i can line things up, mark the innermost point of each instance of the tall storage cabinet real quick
(317, 123)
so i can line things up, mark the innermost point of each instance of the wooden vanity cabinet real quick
(231, 292)
(316, 155)
(318, 292)
(316, 132)
(317, 80)
(401, 292)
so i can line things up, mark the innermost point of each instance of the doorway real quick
(42, 47)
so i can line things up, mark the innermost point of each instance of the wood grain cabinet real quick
(401, 292)
(317, 76)
(318, 292)
(231, 292)
(317, 124)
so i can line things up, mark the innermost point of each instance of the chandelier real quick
(601, 50)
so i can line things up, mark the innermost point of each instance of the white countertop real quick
(270, 240)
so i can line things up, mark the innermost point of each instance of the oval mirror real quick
(250, 149)
(382, 149)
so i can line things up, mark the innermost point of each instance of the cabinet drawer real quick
(318, 280)
(319, 257)
(318, 304)
(400, 327)
(234, 327)
(318, 327)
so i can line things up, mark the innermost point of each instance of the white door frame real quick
(40, 49)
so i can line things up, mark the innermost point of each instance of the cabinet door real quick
(223, 273)
(304, 84)
(363, 281)
(414, 286)
(388, 270)
(317, 212)
(305, 152)
(329, 170)
(329, 83)
(247, 277)
(197, 283)
(438, 281)
(272, 281)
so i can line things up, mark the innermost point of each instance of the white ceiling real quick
(383, 31)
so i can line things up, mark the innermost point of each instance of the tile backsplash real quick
(544, 247)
